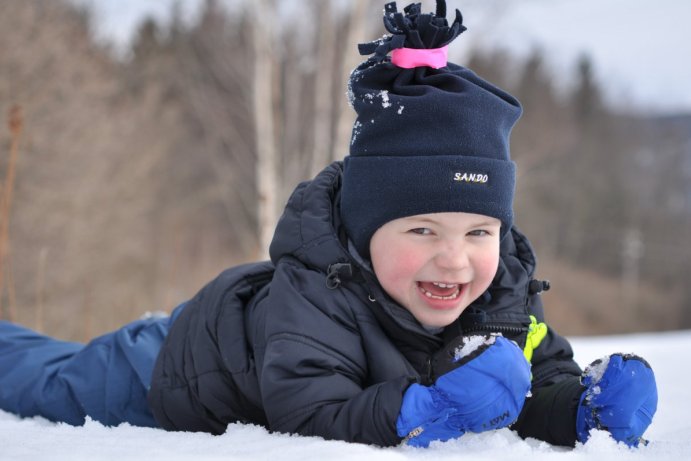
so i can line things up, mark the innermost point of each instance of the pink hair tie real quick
(409, 58)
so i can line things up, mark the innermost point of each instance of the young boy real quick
(399, 304)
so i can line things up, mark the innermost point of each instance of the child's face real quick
(435, 265)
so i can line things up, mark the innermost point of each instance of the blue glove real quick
(620, 397)
(481, 391)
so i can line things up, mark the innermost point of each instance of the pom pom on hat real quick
(427, 139)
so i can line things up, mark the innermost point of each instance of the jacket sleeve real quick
(553, 358)
(313, 369)
(550, 413)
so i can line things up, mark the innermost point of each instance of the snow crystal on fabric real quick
(384, 95)
(357, 126)
(596, 370)
(473, 343)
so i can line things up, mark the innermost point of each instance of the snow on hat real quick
(430, 136)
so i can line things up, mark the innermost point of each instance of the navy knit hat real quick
(430, 136)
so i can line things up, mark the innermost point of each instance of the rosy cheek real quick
(487, 268)
(399, 270)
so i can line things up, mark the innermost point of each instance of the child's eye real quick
(479, 233)
(421, 231)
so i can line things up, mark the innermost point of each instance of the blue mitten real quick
(620, 397)
(484, 388)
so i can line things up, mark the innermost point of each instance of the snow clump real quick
(473, 343)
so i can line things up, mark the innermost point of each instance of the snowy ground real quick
(669, 435)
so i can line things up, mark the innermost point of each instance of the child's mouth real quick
(440, 290)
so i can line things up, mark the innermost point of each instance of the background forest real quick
(130, 181)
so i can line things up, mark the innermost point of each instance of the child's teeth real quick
(430, 295)
(444, 285)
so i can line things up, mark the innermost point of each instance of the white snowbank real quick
(670, 434)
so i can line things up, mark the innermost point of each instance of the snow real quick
(357, 126)
(37, 439)
(383, 94)
(471, 344)
(597, 369)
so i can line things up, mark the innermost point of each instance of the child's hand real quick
(620, 397)
(481, 391)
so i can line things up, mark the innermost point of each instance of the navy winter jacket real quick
(309, 343)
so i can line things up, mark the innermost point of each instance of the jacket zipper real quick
(494, 328)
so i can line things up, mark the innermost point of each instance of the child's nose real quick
(453, 256)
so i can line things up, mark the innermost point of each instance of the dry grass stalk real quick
(40, 289)
(15, 124)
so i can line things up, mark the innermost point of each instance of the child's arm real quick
(482, 385)
(312, 368)
(567, 404)
(617, 394)
(550, 413)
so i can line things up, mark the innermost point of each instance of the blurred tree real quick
(539, 141)
(78, 195)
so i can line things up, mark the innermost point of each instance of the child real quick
(399, 304)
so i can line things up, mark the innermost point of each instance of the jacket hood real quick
(308, 227)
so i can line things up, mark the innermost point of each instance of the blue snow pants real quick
(106, 379)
